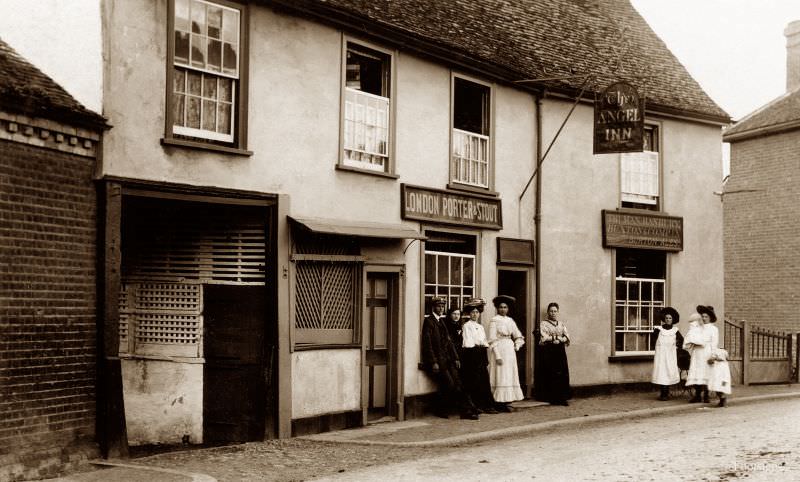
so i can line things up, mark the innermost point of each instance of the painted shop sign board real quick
(643, 231)
(618, 120)
(448, 207)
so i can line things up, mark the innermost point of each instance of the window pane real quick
(198, 51)
(224, 125)
(195, 83)
(182, 15)
(214, 22)
(182, 47)
(214, 55)
(230, 26)
(443, 270)
(209, 87)
(225, 90)
(209, 115)
(619, 317)
(469, 264)
(230, 59)
(193, 113)
(177, 109)
(198, 18)
(430, 268)
(179, 80)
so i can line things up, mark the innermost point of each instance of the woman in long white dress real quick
(504, 341)
(665, 361)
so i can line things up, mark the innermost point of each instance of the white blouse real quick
(473, 334)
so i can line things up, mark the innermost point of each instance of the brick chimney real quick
(792, 34)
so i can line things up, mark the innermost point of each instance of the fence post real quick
(797, 359)
(746, 341)
(789, 356)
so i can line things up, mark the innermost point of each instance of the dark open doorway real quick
(514, 282)
(380, 344)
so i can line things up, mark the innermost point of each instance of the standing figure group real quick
(708, 368)
(473, 372)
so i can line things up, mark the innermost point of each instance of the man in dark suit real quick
(440, 360)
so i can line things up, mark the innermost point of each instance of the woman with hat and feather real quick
(553, 379)
(665, 361)
(505, 340)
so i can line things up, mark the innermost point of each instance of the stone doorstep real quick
(355, 433)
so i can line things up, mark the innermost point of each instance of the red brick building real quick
(761, 213)
(48, 236)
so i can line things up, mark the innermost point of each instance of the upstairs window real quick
(640, 174)
(367, 107)
(471, 152)
(206, 74)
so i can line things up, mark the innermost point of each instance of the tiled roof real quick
(780, 114)
(27, 90)
(536, 39)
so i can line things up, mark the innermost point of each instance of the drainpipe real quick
(537, 219)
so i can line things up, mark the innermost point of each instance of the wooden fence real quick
(758, 355)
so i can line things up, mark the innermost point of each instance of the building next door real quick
(514, 282)
(380, 345)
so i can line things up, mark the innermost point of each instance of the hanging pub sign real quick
(618, 120)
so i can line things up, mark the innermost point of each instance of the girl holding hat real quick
(504, 340)
(665, 361)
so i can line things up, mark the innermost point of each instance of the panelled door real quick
(378, 324)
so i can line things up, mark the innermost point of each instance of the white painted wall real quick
(62, 39)
(325, 381)
(163, 401)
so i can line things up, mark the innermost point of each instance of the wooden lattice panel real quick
(325, 295)
(125, 310)
(165, 318)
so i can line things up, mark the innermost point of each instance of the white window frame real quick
(387, 167)
(235, 77)
(641, 173)
(486, 142)
(447, 290)
(639, 326)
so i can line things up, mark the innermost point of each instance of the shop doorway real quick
(514, 282)
(380, 345)
(233, 378)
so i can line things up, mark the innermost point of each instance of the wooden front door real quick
(233, 375)
(378, 334)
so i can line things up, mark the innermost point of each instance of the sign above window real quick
(618, 120)
(644, 231)
(439, 206)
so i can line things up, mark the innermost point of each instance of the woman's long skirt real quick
(475, 376)
(553, 383)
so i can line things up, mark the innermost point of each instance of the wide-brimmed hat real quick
(668, 310)
(438, 300)
(709, 310)
(509, 300)
(475, 302)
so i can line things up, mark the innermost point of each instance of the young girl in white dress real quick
(665, 361)
(719, 375)
(701, 340)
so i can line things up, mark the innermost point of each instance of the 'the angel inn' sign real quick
(618, 120)
(644, 231)
(436, 205)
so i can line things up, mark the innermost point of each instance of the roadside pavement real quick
(324, 454)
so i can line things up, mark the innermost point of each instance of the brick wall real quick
(47, 310)
(762, 246)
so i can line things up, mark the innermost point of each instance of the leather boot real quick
(723, 402)
(696, 398)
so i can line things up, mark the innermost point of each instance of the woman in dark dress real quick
(553, 383)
